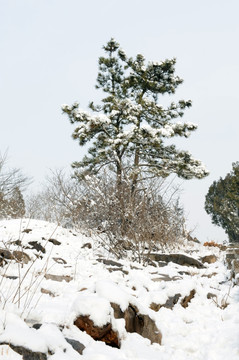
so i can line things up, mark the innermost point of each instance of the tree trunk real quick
(135, 175)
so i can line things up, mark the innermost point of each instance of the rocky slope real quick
(63, 297)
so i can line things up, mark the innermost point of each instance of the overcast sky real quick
(49, 53)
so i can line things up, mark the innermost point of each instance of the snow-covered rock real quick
(68, 281)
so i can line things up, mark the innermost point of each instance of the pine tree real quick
(222, 203)
(127, 131)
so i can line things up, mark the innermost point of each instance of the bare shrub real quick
(150, 220)
(12, 183)
(58, 202)
(145, 222)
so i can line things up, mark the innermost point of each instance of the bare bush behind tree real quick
(143, 223)
(151, 219)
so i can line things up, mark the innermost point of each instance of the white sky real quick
(49, 53)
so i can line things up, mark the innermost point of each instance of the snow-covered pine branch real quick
(130, 126)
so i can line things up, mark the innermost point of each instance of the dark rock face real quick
(131, 320)
(11, 277)
(27, 231)
(17, 242)
(146, 327)
(114, 268)
(87, 245)
(26, 353)
(5, 254)
(109, 262)
(184, 273)
(211, 296)
(136, 322)
(118, 313)
(54, 242)
(161, 263)
(37, 326)
(77, 346)
(37, 246)
(104, 333)
(173, 300)
(179, 259)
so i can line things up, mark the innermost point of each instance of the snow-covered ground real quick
(30, 294)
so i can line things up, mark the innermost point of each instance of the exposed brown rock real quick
(209, 275)
(18, 256)
(48, 292)
(104, 333)
(54, 242)
(235, 267)
(59, 260)
(155, 307)
(185, 301)
(214, 244)
(210, 259)
(211, 295)
(66, 278)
